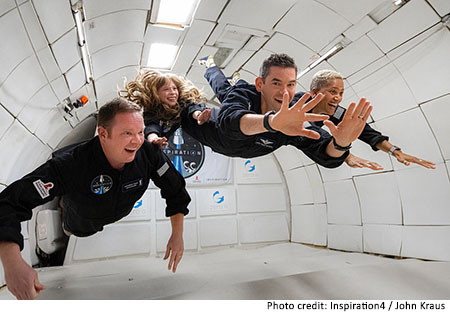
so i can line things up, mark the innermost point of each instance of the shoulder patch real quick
(43, 188)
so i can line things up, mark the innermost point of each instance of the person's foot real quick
(207, 61)
(234, 78)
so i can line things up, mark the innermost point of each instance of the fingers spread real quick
(311, 104)
(315, 117)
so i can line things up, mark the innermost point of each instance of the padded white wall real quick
(253, 208)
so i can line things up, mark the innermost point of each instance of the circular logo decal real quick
(101, 184)
(186, 153)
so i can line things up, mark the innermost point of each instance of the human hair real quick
(108, 111)
(144, 92)
(322, 78)
(276, 60)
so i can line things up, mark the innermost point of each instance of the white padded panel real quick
(333, 174)
(6, 5)
(107, 86)
(209, 9)
(353, 12)
(427, 242)
(216, 201)
(383, 239)
(436, 112)
(427, 63)
(160, 205)
(76, 77)
(355, 56)
(330, 26)
(107, 31)
(255, 62)
(60, 128)
(423, 195)
(220, 231)
(305, 80)
(343, 203)
(260, 198)
(410, 131)
(316, 184)
(38, 106)
(345, 237)
(365, 151)
(299, 186)
(33, 27)
(368, 70)
(48, 63)
(55, 16)
(186, 56)
(67, 51)
(2, 187)
(360, 28)
(380, 199)
(2, 276)
(411, 19)
(238, 60)
(113, 57)
(19, 48)
(6, 120)
(263, 228)
(142, 209)
(26, 251)
(387, 92)
(164, 231)
(24, 229)
(288, 158)
(309, 224)
(60, 88)
(11, 144)
(257, 170)
(199, 32)
(237, 11)
(15, 91)
(111, 242)
(441, 6)
(302, 55)
(93, 8)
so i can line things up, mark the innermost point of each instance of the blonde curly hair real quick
(144, 92)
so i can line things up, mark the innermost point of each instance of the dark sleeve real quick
(191, 107)
(171, 183)
(20, 197)
(297, 97)
(152, 127)
(234, 107)
(369, 135)
(316, 149)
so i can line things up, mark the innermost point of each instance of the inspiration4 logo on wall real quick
(186, 153)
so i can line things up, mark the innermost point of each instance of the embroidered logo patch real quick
(101, 184)
(43, 188)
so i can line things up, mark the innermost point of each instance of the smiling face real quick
(168, 93)
(123, 138)
(333, 92)
(279, 80)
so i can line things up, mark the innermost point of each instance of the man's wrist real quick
(266, 122)
(340, 147)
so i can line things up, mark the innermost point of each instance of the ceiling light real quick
(325, 56)
(174, 12)
(162, 56)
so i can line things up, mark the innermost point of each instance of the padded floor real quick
(280, 271)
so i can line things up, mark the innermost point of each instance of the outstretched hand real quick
(352, 124)
(290, 121)
(23, 282)
(204, 116)
(408, 159)
(357, 162)
(174, 249)
(160, 141)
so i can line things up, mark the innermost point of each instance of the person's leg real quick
(216, 78)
